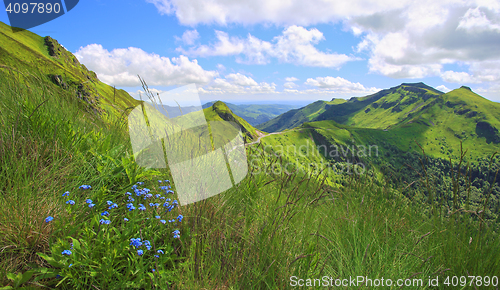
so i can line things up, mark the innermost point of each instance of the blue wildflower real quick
(66, 193)
(83, 187)
(135, 242)
(105, 213)
(72, 202)
(162, 197)
(125, 219)
(114, 205)
(159, 181)
(160, 252)
(88, 200)
(91, 205)
(147, 244)
(180, 217)
(131, 198)
(177, 234)
(128, 193)
(140, 252)
(163, 221)
(109, 202)
(140, 183)
(156, 256)
(48, 219)
(70, 265)
(66, 252)
(103, 221)
(158, 217)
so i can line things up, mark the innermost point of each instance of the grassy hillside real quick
(219, 111)
(296, 117)
(380, 110)
(25, 52)
(78, 212)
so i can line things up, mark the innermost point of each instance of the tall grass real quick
(264, 233)
(48, 143)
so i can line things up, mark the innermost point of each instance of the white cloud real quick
(443, 88)
(121, 66)
(476, 20)
(339, 85)
(290, 85)
(458, 77)
(295, 45)
(291, 79)
(237, 84)
(193, 12)
(189, 37)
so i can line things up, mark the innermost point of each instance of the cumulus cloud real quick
(339, 85)
(193, 12)
(426, 35)
(295, 45)
(443, 88)
(121, 66)
(237, 84)
(189, 37)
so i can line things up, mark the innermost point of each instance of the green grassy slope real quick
(380, 110)
(296, 117)
(219, 111)
(26, 52)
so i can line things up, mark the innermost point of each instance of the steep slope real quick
(296, 117)
(383, 109)
(26, 53)
(219, 111)
(380, 110)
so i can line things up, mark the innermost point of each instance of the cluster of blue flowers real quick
(90, 203)
(137, 243)
(142, 247)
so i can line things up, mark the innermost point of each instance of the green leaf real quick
(45, 273)
(25, 277)
(76, 244)
(11, 276)
(51, 260)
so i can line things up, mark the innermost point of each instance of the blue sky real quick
(285, 51)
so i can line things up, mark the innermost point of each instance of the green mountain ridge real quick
(369, 111)
(219, 111)
(26, 53)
